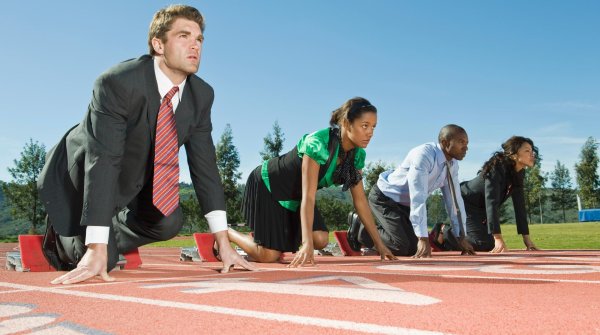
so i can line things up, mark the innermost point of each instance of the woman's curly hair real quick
(509, 148)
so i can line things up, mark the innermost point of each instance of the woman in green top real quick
(280, 195)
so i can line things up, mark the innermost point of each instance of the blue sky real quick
(497, 68)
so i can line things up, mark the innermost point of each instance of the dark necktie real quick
(165, 185)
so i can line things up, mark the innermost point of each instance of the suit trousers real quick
(393, 224)
(477, 229)
(138, 224)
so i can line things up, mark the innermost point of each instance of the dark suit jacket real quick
(101, 164)
(488, 194)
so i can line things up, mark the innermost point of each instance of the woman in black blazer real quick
(499, 178)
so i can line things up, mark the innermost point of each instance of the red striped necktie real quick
(165, 185)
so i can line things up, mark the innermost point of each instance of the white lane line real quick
(400, 274)
(363, 289)
(12, 309)
(302, 320)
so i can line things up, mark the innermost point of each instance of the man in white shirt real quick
(98, 181)
(398, 200)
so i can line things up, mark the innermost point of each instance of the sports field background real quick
(585, 235)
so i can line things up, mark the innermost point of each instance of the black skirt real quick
(274, 226)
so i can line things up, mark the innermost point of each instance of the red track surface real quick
(550, 292)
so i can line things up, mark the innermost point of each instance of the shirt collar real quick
(164, 83)
(440, 158)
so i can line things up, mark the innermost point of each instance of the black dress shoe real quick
(434, 235)
(53, 250)
(353, 227)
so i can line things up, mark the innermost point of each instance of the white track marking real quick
(24, 323)
(12, 309)
(370, 290)
(549, 269)
(517, 268)
(433, 266)
(235, 312)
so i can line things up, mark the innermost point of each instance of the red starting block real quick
(434, 246)
(342, 241)
(32, 258)
(205, 243)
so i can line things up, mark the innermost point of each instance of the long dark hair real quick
(509, 148)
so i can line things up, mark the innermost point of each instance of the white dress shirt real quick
(422, 172)
(217, 220)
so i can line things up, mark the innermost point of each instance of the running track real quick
(549, 292)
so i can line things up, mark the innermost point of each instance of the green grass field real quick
(584, 235)
(545, 236)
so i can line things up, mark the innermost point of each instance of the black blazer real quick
(101, 164)
(488, 194)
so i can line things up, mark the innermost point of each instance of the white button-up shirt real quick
(422, 172)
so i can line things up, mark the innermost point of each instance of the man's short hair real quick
(449, 131)
(164, 18)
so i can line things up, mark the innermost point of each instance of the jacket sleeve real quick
(493, 198)
(201, 156)
(518, 198)
(104, 127)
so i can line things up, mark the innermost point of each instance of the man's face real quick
(456, 147)
(181, 51)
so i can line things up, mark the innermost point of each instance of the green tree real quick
(273, 143)
(371, 173)
(228, 162)
(562, 196)
(334, 212)
(21, 193)
(535, 195)
(506, 212)
(587, 173)
(192, 217)
(436, 210)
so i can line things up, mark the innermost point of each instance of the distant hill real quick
(11, 228)
(8, 226)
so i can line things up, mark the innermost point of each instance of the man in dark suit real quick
(99, 183)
